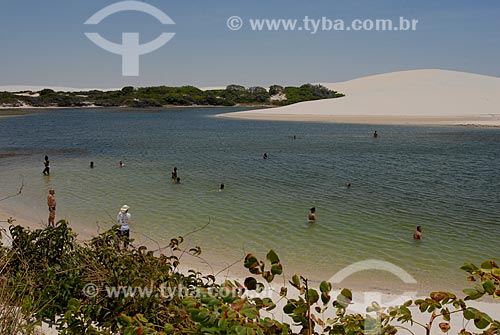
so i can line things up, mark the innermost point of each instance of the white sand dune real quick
(406, 97)
(210, 88)
(32, 88)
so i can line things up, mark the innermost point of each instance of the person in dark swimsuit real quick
(46, 171)
(174, 174)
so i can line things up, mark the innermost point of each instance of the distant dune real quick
(436, 97)
(32, 88)
(22, 88)
(210, 88)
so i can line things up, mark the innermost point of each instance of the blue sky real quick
(43, 42)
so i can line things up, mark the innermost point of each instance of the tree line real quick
(160, 96)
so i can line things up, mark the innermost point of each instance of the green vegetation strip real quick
(160, 96)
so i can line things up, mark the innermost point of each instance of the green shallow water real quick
(443, 178)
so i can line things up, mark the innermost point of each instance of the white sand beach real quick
(417, 97)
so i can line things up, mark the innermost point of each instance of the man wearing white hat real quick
(123, 220)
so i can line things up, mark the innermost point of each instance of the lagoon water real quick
(445, 179)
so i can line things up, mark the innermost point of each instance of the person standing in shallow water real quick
(174, 174)
(123, 218)
(417, 235)
(375, 134)
(51, 202)
(46, 163)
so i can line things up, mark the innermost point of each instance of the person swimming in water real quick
(312, 215)
(178, 180)
(91, 165)
(122, 164)
(417, 235)
(221, 188)
(375, 134)
(265, 155)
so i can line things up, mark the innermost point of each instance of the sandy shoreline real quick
(485, 121)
